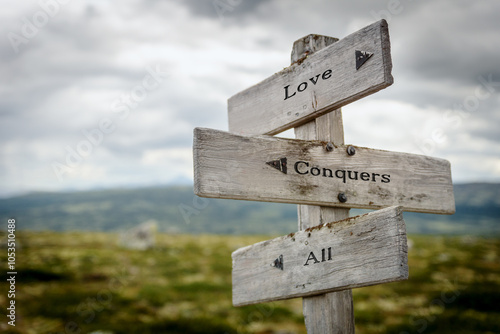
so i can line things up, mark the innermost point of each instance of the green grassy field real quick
(85, 283)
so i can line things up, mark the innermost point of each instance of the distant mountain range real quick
(177, 210)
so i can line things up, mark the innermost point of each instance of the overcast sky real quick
(100, 94)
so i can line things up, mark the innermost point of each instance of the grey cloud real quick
(439, 50)
(449, 41)
(137, 141)
(225, 8)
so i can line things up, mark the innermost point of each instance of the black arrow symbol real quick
(279, 164)
(361, 58)
(278, 263)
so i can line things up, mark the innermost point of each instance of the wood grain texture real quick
(234, 167)
(329, 128)
(308, 45)
(359, 251)
(333, 312)
(264, 108)
(329, 313)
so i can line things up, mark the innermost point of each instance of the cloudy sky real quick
(101, 94)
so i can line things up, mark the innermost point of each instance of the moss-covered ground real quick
(77, 282)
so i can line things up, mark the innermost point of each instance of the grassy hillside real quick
(82, 282)
(478, 212)
(177, 210)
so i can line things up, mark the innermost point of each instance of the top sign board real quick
(354, 67)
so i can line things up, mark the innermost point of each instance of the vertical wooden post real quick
(332, 312)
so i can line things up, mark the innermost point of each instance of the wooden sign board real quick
(354, 67)
(351, 253)
(270, 169)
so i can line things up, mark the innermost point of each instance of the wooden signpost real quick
(331, 253)
(314, 172)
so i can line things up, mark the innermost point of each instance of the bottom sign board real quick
(354, 252)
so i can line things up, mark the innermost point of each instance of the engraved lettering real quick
(314, 81)
(342, 176)
(330, 172)
(286, 93)
(327, 74)
(305, 168)
(311, 257)
(315, 171)
(324, 258)
(365, 176)
(355, 175)
(296, 167)
(303, 84)
(291, 92)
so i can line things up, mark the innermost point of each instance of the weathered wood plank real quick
(270, 169)
(329, 313)
(322, 82)
(360, 251)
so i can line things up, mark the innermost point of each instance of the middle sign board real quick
(270, 169)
